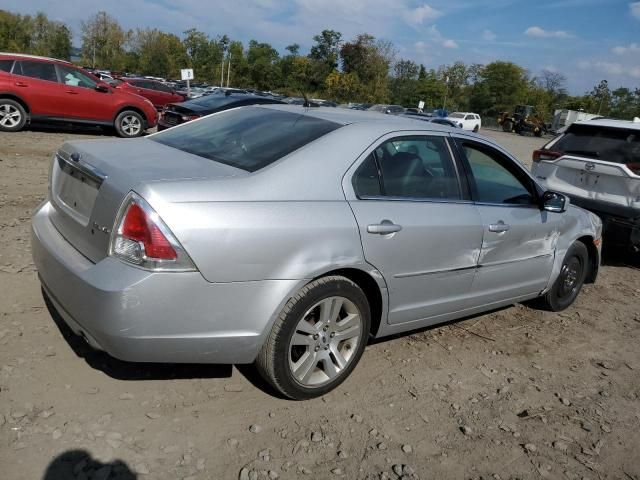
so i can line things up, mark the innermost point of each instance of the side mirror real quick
(554, 202)
(102, 87)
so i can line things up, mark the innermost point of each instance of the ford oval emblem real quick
(75, 156)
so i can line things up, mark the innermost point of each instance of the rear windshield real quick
(249, 138)
(618, 145)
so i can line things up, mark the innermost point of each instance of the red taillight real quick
(137, 226)
(634, 167)
(548, 155)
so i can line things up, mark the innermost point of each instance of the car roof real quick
(607, 122)
(16, 56)
(345, 116)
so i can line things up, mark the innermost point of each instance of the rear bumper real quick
(620, 224)
(141, 316)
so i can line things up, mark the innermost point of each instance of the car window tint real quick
(496, 178)
(5, 65)
(161, 87)
(469, 117)
(366, 181)
(41, 70)
(619, 145)
(249, 138)
(75, 78)
(417, 167)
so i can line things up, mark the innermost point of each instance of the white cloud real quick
(539, 32)
(448, 43)
(610, 68)
(624, 49)
(488, 35)
(635, 9)
(421, 15)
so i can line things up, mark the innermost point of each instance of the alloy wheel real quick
(10, 116)
(131, 125)
(325, 341)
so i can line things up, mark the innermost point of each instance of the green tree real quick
(324, 55)
(263, 65)
(501, 86)
(103, 42)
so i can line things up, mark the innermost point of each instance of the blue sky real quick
(586, 40)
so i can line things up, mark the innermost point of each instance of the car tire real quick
(507, 126)
(129, 124)
(476, 129)
(569, 282)
(328, 317)
(13, 116)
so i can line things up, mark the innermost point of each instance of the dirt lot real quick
(514, 394)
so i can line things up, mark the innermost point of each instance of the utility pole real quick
(446, 90)
(222, 72)
(229, 70)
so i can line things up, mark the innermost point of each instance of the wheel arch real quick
(371, 288)
(138, 110)
(594, 258)
(16, 98)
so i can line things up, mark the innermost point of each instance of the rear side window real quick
(40, 70)
(249, 138)
(5, 65)
(618, 145)
(409, 167)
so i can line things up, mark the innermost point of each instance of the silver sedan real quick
(290, 236)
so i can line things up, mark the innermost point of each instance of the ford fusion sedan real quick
(288, 237)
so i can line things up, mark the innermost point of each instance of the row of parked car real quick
(40, 89)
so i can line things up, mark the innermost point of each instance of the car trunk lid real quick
(90, 179)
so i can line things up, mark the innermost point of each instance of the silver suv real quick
(597, 164)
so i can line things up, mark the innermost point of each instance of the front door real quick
(83, 101)
(519, 237)
(416, 226)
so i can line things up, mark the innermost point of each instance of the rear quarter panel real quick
(279, 240)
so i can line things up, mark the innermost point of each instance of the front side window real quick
(409, 167)
(495, 178)
(249, 138)
(75, 78)
(40, 70)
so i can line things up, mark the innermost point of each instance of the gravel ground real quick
(517, 393)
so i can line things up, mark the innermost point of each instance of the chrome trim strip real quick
(496, 264)
(433, 272)
(93, 173)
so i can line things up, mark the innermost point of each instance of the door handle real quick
(385, 227)
(21, 84)
(71, 92)
(499, 227)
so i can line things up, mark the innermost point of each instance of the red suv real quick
(45, 89)
(156, 92)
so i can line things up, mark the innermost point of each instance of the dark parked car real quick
(177, 113)
(388, 109)
(156, 92)
(49, 90)
(428, 118)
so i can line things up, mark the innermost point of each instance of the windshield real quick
(618, 145)
(249, 138)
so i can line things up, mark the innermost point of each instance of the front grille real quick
(172, 118)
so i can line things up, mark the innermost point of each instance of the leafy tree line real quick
(362, 69)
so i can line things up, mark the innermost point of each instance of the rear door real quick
(83, 101)
(519, 238)
(594, 162)
(416, 224)
(36, 81)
